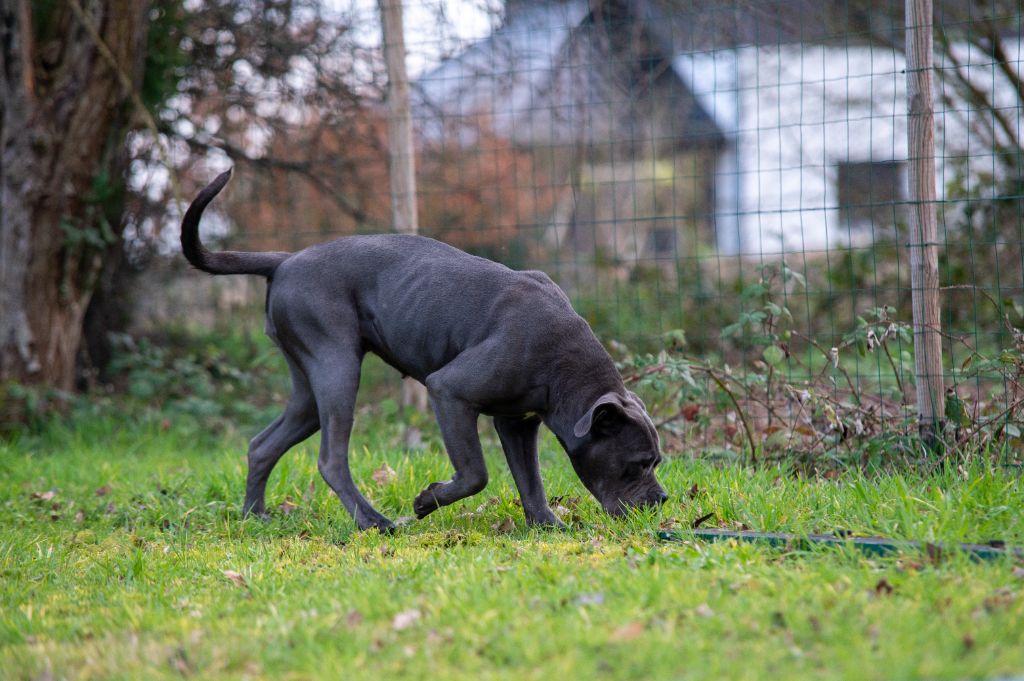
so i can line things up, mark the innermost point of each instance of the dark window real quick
(662, 241)
(870, 193)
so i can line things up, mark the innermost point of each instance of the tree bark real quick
(62, 123)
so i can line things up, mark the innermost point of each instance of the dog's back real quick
(419, 302)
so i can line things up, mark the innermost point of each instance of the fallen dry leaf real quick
(43, 496)
(1018, 572)
(506, 525)
(310, 492)
(103, 490)
(235, 577)
(627, 632)
(567, 500)
(405, 619)
(668, 525)
(590, 599)
(704, 610)
(287, 506)
(884, 588)
(354, 618)
(701, 520)
(1002, 598)
(384, 475)
(179, 660)
(492, 501)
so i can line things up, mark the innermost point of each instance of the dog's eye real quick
(650, 462)
(635, 469)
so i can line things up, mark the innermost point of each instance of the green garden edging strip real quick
(876, 546)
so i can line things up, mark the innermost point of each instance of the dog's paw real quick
(426, 502)
(384, 527)
(370, 521)
(255, 510)
(545, 521)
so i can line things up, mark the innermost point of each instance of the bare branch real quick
(304, 168)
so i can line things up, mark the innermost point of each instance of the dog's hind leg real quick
(335, 381)
(518, 437)
(299, 421)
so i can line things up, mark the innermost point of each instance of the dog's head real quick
(617, 453)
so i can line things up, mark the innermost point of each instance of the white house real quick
(818, 139)
(807, 130)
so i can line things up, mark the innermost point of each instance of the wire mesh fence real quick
(722, 190)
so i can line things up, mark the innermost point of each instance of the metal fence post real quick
(923, 241)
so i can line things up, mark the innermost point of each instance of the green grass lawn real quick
(123, 555)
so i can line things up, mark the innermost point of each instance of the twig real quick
(303, 168)
(895, 371)
(739, 412)
(839, 365)
(1005, 318)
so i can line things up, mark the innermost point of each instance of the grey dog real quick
(483, 338)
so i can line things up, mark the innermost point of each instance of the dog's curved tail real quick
(223, 262)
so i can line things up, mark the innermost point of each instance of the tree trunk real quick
(62, 122)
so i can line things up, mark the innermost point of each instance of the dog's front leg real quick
(519, 440)
(458, 428)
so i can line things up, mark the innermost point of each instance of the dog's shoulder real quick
(544, 283)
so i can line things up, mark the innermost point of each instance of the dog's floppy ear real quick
(636, 398)
(609, 404)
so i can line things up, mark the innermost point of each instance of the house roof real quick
(566, 71)
(686, 26)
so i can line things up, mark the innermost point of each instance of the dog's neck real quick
(572, 392)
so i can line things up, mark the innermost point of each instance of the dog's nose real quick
(661, 497)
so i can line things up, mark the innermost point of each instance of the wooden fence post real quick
(401, 160)
(923, 242)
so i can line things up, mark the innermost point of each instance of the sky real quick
(427, 38)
